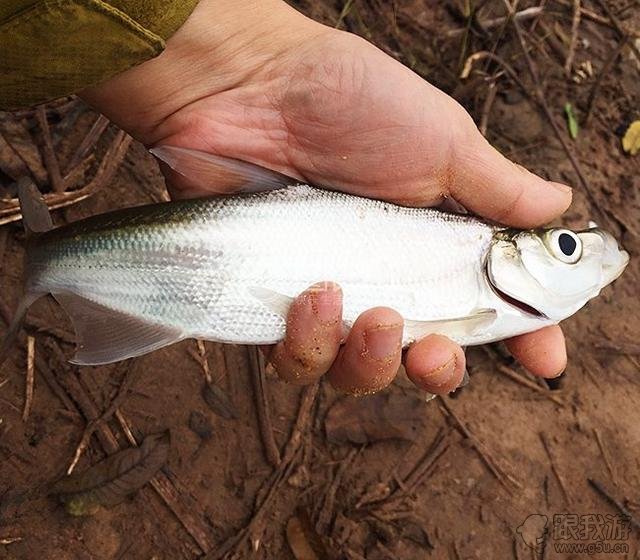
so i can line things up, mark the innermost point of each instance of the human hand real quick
(259, 82)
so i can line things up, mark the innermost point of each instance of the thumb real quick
(492, 186)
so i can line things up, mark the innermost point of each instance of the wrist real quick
(223, 44)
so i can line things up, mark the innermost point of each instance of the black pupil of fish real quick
(567, 244)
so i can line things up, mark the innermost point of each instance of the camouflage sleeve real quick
(52, 48)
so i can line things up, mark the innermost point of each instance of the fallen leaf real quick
(304, 541)
(631, 139)
(387, 415)
(572, 122)
(416, 533)
(200, 424)
(218, 401)
(109, 482)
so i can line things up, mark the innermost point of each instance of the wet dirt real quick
(455, 478)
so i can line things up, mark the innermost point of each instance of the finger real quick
(490, 185)
(435, 364)
(543, 352)
(371, 355)
(314, 332)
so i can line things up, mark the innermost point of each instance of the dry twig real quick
(272, 484)
(604, 72)
(545, 107)
(424, 467)
(486, 107)
(618, 347)
(480, 55)
(605, 457)
(49, 155)
(181, 504)
(91, 427)
(31, 355)
(106, 170)
(483, 452)
(326, 513)
(585, 12)
(39, 325)
(511, 374)
(575, 24)
(554, 469)
(600, 489)
(204, 361)
(263, 409)
(522, 15)
(9, 540)
(88, 142)
(617, 25)
(178, 504)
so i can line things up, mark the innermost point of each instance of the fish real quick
(226, 268)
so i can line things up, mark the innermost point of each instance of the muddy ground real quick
(385, 477)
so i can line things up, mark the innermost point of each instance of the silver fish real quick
(226, 268)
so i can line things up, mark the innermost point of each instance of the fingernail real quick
(326, 305)
(561, 187)
(556, 383)
(383, 341)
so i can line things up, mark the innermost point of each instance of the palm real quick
(336, 124)
(365, 124)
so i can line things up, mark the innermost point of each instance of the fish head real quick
(553, 272)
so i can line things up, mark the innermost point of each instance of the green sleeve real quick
(52, 48)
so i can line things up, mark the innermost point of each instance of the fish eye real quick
(564, 245)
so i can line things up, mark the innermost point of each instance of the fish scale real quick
(205, 255)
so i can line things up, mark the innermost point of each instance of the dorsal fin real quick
(218, 174)
(36, 217)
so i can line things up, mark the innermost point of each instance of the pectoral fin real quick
(218, 174)
(276, 302)
(455, 328)
(105, 335)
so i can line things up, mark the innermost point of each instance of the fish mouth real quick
(613, 271)
(513, 302)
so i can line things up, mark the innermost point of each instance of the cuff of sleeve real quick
(58, 47)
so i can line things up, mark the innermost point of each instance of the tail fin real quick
(36, 219)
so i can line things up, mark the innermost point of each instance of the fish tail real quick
(36, 219)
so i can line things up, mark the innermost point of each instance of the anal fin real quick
(455, 328)
(105, 335)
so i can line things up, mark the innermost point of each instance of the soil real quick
(389, 476)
